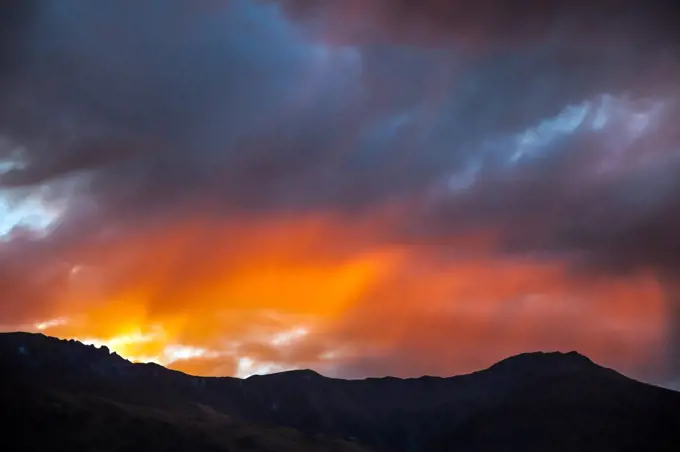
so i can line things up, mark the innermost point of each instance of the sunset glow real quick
(309, 293)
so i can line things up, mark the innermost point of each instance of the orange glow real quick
(240, 297)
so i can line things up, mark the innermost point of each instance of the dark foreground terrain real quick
(66, 396)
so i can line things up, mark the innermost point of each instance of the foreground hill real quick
(89, 399)
(40, 420)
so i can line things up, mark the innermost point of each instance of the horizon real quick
(535, 353)
(538, 354)
(228, 187)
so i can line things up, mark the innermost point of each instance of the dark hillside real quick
(534, 401)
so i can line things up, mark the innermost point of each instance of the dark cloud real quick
(153, 77)
(608, 192)
(233, 95)
(490, 24)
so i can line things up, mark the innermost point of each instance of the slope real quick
(533, 395)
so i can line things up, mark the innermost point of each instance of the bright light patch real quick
(247, 367)
(537, 138)
(9, 165)
(174, 353)
(14, 161)
(623, 121)
(126, 344)
(42, 326)
(144, 347)
(330, 355)
(28, 212)
(121, 341)
(288, 337)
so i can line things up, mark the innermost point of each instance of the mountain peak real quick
(540, 360)
(554, 355)
(306, 374)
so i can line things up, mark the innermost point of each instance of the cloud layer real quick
(175, 160)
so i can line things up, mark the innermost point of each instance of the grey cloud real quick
(153, 76)
(165, 103)
(169, 101)
(487, 25)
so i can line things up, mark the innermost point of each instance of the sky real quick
(363, 188)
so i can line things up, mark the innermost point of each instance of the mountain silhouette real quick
(87, 398)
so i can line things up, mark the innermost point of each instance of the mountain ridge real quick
(536, 357)
(542, 390)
